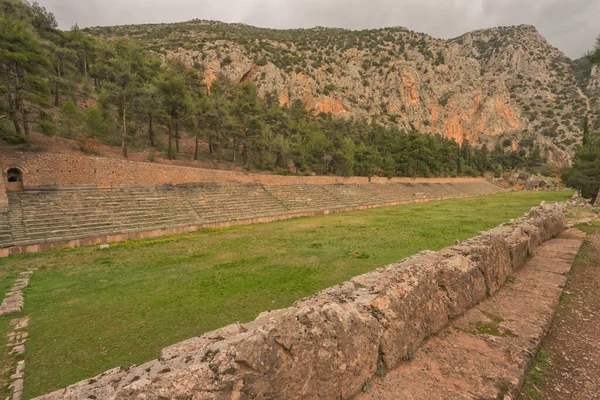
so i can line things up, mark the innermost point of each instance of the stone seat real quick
(302, 197)
(49, 215)
(353, 195)
(391, 192)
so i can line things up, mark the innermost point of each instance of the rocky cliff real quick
(504, 85)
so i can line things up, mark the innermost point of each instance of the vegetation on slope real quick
(123, 92)
(504, 85)
(584, 174)
(91, 310)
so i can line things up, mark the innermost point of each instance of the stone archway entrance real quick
(14, 178)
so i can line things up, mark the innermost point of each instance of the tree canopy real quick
(594, 55)
(113, 91)
(584, 175)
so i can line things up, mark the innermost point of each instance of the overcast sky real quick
(570, 25)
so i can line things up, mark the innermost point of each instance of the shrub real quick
(8, 134)
(226, 61)
(261, 61)
(88, 145)
(45, 125)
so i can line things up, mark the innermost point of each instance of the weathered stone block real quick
(462, 282)
(491, 254)
(408, 303)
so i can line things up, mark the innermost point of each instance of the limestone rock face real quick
(504, 85)
(594, 79)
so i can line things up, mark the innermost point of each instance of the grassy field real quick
(92, 310)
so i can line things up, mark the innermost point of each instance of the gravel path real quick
(568, 366)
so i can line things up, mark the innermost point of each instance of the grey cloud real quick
(570, 25)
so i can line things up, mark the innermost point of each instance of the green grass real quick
(537, 375)
(92, 310)
(589, 229)
(7, 362)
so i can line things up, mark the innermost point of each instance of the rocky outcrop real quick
(526, 181)
(504, 85)
(329, 345)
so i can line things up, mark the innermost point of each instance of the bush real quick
(226, 61)
(8, 134)
(152, 155)
(45, 125)
(88, 145)
(261, 61)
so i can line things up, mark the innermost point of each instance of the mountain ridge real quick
(504, 85)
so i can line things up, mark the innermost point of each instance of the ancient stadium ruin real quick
(329, 345)
(51, 201)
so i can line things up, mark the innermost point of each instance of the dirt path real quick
(568, 365)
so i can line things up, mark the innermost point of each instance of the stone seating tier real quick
(40, 215)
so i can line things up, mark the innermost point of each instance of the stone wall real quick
(329, 345)
(3, 198)
(50, 169)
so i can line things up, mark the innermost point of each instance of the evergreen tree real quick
(95, 124)
(63, 62)
(246, 111)
(147, 107)
(218, 115)
(85, 47)
(344, 157)
(70, 119)
(584, 175)
(586, 131)
(42, 20)
(121, 90)
(594, 55)
(22, 70)
(176, 102)
(127, 72)
(200, 106)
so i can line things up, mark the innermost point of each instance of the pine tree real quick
(584, 175)
(95, 124)
(121, 91)
(594, 55)
(70, 119)
(63, 62)
(22, 70)
(86, 48)
(127, 72)
(176, 102)
(245, 110)
(586, 131)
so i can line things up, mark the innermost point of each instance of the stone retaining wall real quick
(329, 345)
(50, 169)
(3, 198)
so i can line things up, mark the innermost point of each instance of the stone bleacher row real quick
(64, 214)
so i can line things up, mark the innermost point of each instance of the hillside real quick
(504, 85)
